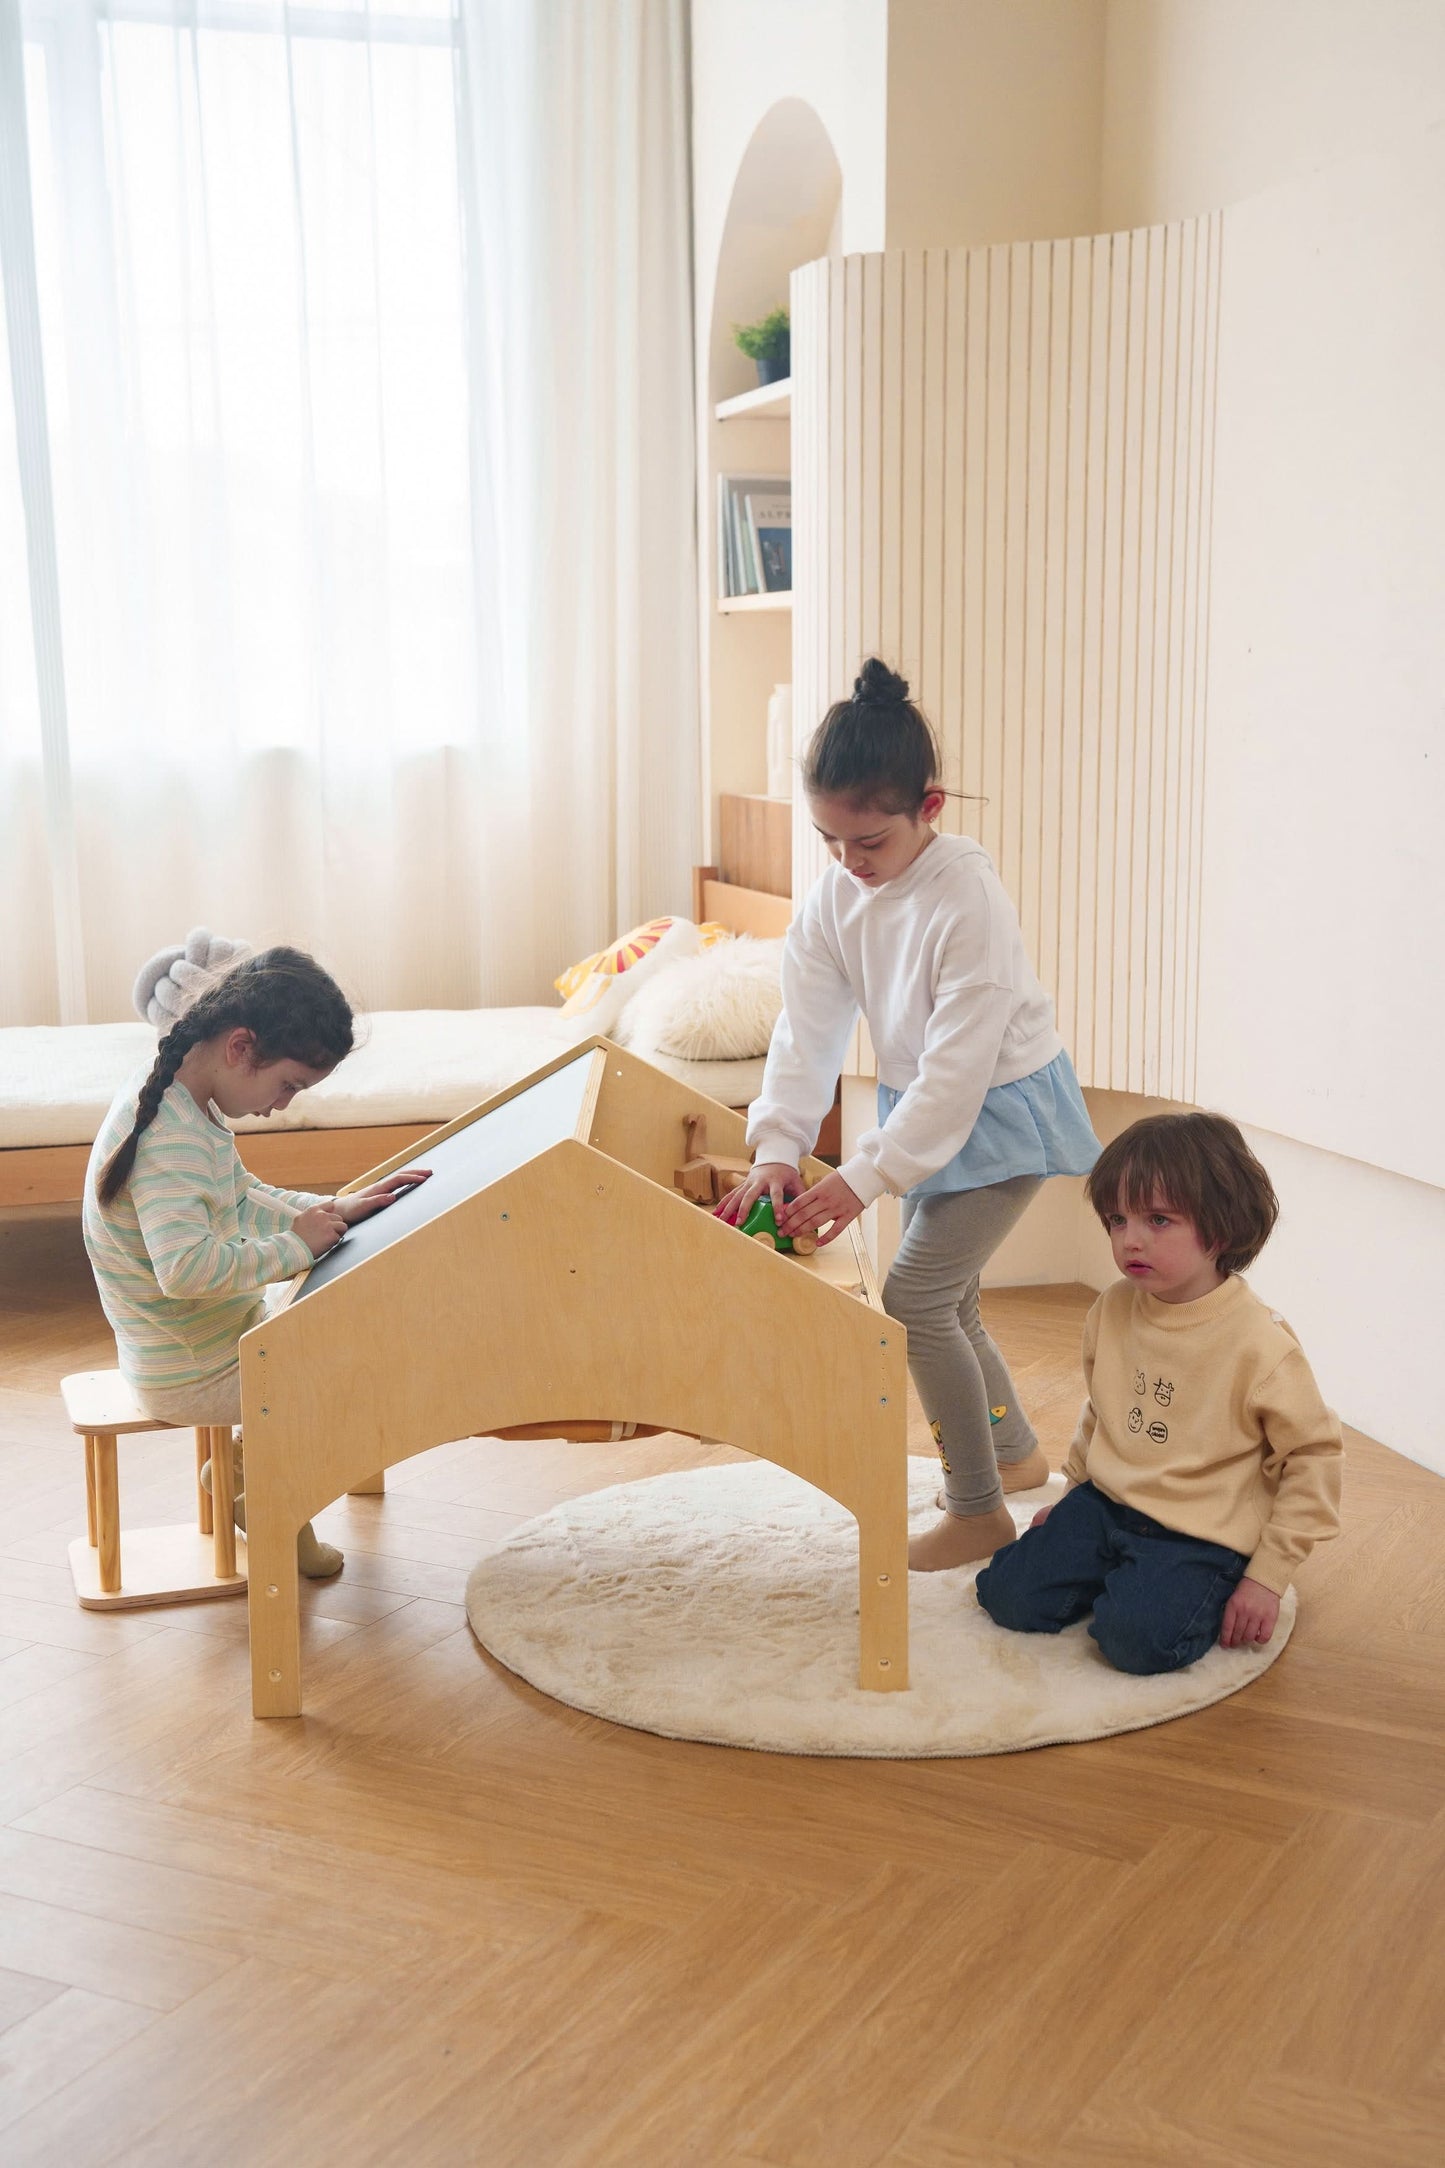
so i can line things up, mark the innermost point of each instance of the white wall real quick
(1320, 1024)
(1208, 101)
(1324, 901)
(994, 115)
(748, 55)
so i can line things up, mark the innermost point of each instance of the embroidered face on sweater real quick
(1160, 1249)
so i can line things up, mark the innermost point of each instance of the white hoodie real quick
(935, 961)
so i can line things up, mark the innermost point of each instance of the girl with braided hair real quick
(181, 1238)
(977, 1100)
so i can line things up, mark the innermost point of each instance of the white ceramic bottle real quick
(780, 742)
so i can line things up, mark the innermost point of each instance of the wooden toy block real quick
(706, 1177)
(486, 1303)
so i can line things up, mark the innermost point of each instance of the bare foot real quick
(1015, 1475)
(960, 1540)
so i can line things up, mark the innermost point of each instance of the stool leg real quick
(222, 1501)
(90, 1492)
(370, 1488)
(107, 1512)
(203, 1496)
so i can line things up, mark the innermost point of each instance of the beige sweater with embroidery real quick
(1206, 1416)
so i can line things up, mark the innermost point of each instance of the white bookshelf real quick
(768, 402)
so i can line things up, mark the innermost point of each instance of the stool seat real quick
(162, 1565)
(102, 1400)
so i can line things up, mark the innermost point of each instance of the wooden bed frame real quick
(399, 1352)
(327, 1159)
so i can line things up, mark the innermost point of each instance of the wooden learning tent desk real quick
(550, 1277)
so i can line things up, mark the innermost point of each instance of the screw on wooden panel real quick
(882, 1402)
(272, 1590)
(883, 1343)
(885, 1663)
(262, 1353)
(265, 1411)
(882, 1580)
(506, 1215)
(274, 1677)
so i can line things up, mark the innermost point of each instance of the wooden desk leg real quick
(222, 1501)
(275, 1609)
(371, 1488)
(107, 1511)
(203, 1496)
(90, 1491)
(883, 1602)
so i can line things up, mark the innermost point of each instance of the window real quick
(248, 267)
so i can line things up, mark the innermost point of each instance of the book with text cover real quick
(770, 522)
(740, 569)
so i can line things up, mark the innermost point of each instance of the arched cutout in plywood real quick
(784, 212)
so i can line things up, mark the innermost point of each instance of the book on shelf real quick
(754, 534)
(770, 525)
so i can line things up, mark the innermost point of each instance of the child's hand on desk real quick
(830, 1199)
(320, 1227)
(1249, 1615)
(364, 1202)
(770, 1178)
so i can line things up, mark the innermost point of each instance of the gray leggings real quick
(960, 1374)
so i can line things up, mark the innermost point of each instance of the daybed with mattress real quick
(412, 1070)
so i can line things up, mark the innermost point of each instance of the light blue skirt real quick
(1038, 1125)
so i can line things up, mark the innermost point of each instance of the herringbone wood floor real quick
(444, 1920)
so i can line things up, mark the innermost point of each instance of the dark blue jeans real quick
(1157, 1597)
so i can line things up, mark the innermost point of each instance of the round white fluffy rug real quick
(721, 1604)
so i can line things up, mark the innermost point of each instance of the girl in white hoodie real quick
(977, 1100)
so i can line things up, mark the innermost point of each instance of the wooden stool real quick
(162, 1565)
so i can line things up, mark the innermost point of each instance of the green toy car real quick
(761, 1225)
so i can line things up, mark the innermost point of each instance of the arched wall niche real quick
(785, 209)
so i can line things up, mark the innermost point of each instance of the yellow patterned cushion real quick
(629, 950)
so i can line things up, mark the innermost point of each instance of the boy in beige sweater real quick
(1206, 1466)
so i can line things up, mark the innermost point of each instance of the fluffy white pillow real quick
(599, 1004)
(720, 1005)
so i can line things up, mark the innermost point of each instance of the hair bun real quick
(876, 686)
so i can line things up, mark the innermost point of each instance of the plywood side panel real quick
(503, 1311)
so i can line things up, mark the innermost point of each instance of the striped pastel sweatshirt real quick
(182, 1253)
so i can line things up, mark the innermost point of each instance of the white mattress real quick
(412, 1065)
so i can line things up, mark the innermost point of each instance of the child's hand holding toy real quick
(830, 1200)
(798, 1211)
(772, 1178)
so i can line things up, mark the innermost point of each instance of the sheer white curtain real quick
(345, 488)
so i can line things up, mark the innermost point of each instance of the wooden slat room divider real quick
(1002, 463)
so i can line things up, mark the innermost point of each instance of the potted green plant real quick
(767, 343)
